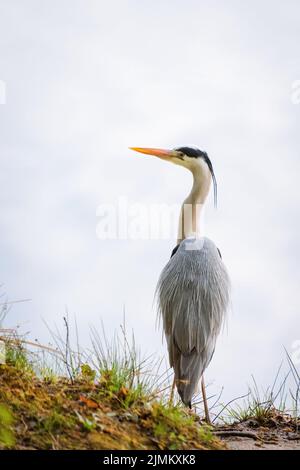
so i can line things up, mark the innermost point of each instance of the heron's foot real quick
(207, 419)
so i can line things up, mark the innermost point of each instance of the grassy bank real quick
(107, 398)
(52, 397)
(58, 413)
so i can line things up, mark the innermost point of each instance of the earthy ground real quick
(245, 444)
(41, 414)
(279, 432)
(58, 414)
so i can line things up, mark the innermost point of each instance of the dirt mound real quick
(59, 414)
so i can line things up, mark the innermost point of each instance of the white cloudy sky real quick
(85, 79)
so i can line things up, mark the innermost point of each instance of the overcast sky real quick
(86, 79)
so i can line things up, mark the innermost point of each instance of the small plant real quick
(16, 356)
(123, 374)
(48, 374)
(257, 405)
(87, 373)
(55, 422)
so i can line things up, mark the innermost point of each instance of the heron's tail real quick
(188, 369)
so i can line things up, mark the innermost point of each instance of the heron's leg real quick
(172, 392)
(207, 417)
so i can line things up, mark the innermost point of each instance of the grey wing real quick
(193, 297)
(191, 340)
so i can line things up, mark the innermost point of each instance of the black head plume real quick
(197, 153)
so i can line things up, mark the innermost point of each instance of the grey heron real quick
(193, 288)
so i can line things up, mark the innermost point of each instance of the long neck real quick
(190, 220)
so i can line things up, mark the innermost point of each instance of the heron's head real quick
(191, 158)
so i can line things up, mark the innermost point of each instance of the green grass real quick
(259, 405)
(58, 395)
(17, 356)
(63, 391)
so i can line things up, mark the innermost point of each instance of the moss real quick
(83, 414)
(56, 422)
(87, 373)
(6, 422)
(175, 428)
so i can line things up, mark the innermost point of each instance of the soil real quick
(279, 432)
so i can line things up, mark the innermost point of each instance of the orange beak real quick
(160, 153)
